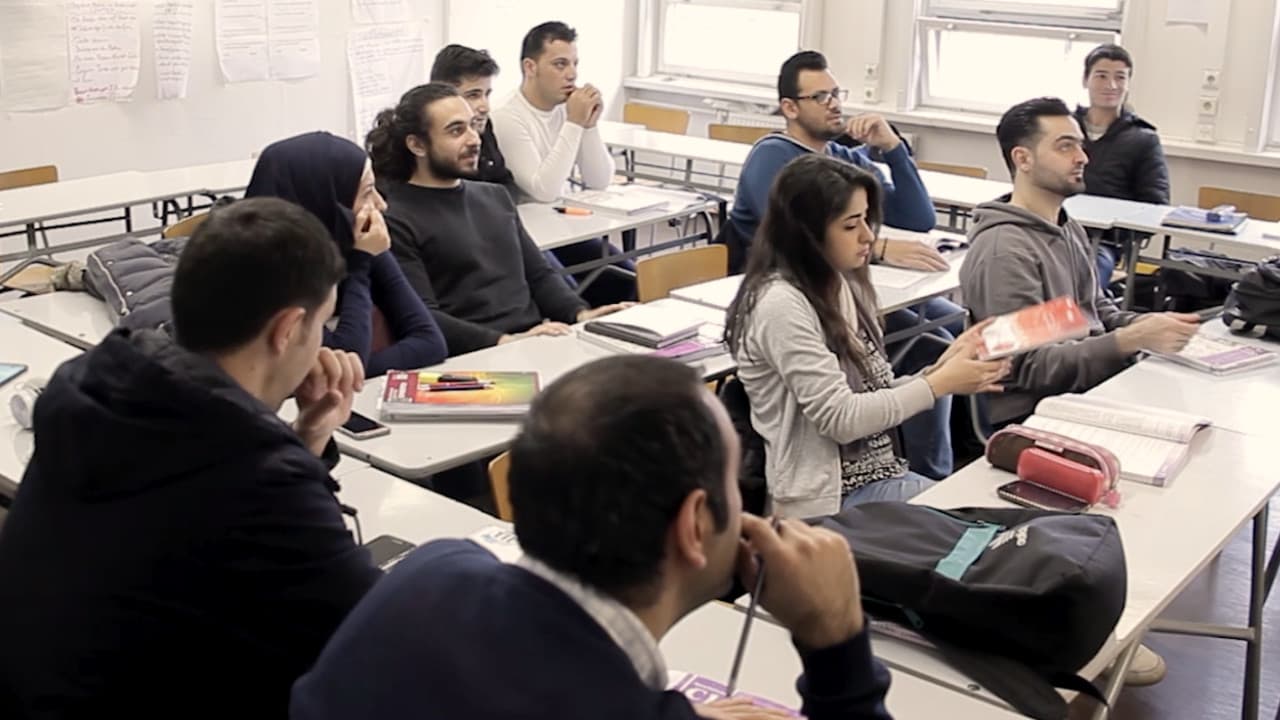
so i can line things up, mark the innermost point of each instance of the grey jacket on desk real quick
(1018, 259)
(802, 403)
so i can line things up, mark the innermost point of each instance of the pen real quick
(746, 627)
(453, 386)
(571, 210)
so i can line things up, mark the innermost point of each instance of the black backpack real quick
(1253, 306)
(1019, 599)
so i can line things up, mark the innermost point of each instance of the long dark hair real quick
(809, 194)
(385, 143)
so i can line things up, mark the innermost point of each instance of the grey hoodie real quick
(1018, 259)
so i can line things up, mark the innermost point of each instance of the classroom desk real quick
(77, 318)
(550, 229)
(387, 505)
(1102, 213)
(42, 354)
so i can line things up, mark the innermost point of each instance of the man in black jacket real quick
(175, 549)
(1126, 159)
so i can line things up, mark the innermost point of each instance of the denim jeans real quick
(893, 489)
(927, 436)
(1106, 261)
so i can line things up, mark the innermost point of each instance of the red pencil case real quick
(1007, 447)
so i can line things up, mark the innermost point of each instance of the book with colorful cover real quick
(1039, 325)
(701, 689)
(1220, 219)
(420, 395)
(1220, 356)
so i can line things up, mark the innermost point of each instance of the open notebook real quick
(1151, 444)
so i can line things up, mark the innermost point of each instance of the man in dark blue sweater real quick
(624, 487)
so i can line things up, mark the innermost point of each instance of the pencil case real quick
(1005, 449)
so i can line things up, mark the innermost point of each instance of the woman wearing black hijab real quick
(332, 178)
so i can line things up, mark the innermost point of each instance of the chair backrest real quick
(656, 118)
(499, 467)
(746, 134)
(26, 177)
(657, 276)
(967, 170)
(1256, 205)
(184, 228)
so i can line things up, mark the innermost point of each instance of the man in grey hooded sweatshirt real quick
(1026, 250)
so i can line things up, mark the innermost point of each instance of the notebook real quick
(419, 395)
(656, 324)
(1220, 356)
(1027, 329)
(707, 343)
(701, 689)
(1151, 444)
(617, 201)
(1221, 220)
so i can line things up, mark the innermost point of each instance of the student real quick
(175, 549)
(1126, 159)
(1027, 250)
(548, 126)
(379, 317)
(810, 97)
(461, 243)
(810, 352)
(572, 629)
(471, 72)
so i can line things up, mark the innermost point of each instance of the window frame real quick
(801, 7)
(1022, 13)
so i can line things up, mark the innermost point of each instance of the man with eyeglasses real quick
(810, 100)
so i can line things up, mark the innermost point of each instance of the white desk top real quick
(387, 505)
(550, 229)
(74, 197)
(1095, 211)
(687, 147)
(217, 178)
(42, 354)
(74, 317)
(1248, 243)
(960, 191)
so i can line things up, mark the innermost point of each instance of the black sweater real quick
(468, 256)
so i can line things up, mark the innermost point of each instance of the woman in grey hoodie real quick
(806, 334)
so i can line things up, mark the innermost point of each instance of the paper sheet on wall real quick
(293, 28)
(171, 35)
(1189, 12)
(34, 70)
(105, 42)
(385, 60)
(380, 11)
(240, 28)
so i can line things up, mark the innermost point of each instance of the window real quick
(694, 38)
(987, 55)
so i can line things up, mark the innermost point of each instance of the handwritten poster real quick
(105, 41)
(34, 73)
(240, 28)
(294, 38)
(385, 60)
(380, 11)
(171, 36)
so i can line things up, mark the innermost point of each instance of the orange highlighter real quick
(572, 211)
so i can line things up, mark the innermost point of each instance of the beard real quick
(1061, 185)
(821, 129)
(451, 169)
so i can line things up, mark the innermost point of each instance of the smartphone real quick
(9, 371)
(1042, 498)
(386, 550)
(360, 427)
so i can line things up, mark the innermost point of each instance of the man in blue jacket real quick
(626, 528)
(810, 99)
(175, 549)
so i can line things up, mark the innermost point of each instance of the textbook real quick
(1151, 444)
(457, 395)
(656, 324)
(707, 343)
(1220, 219)
(615, 200)
(1027, 329)
(1220, 356)
(701, 689)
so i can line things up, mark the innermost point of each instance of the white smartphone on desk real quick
(359, 427)
(9, 371)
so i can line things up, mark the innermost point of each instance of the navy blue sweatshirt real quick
(452, 632)
(174, 550)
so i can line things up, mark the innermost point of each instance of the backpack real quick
(1253, 306)
(1019, 599)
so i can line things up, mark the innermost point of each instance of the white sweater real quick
(541, 149)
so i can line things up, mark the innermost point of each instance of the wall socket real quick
(1207, 105)
(870, 95)
(1212, 79)
(871, 71)
(1205, 133)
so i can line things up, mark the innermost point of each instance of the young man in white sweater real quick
(546, 128)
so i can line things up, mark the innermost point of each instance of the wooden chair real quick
(658, 276)
(185, 227)
(27, 177)
(972, 171)
(659, 119)
(745, 134)
(1256, 205)
(498, 469)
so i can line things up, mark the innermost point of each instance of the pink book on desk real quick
(701, 689)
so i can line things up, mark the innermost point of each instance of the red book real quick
(1027, 329)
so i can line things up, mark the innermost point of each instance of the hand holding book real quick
(960, 369)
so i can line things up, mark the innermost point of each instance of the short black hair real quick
(537, 38)
(1108, 51)
(1020, 124)
(606, 457)
(789, 75)
(385, 143)
(245, 263)
(455, 63)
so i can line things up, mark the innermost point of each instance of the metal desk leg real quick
(1131, 267)
(1272, 568)
(1115, 681)
(1257, 597)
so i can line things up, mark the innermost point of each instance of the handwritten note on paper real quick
(293, 29)
(34, 72)
(105, 40)
(171, 35)
(380, 11)
(384, 60)
(241, 36)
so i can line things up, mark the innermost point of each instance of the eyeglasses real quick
(824, 97)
